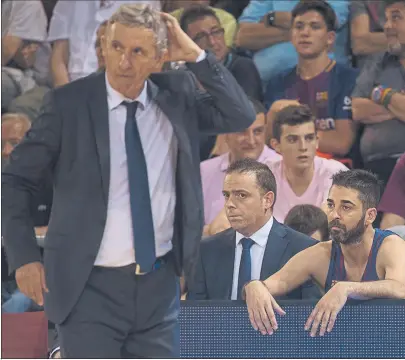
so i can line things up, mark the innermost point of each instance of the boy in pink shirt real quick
(301, 176)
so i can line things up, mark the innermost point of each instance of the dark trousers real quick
(124, 315)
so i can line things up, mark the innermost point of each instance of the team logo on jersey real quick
(347, 103)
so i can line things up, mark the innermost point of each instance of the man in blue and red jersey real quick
(317, 81)
(360, 262)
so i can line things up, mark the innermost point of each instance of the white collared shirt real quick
(260, 238)
(160, 148)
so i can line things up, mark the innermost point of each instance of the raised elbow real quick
(359, 44)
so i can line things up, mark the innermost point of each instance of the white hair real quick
(142, 15)
(16, 118)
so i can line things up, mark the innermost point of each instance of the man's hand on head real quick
(180, 46)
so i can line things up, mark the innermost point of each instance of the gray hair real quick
(18, 118)
(142, 15)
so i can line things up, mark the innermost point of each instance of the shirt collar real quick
(225, 158)
(261, 236)
(115, 98)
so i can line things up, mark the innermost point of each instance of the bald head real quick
(13, 129)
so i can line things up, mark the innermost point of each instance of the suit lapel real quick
(98, 106)
(224, 273)
(275, 248)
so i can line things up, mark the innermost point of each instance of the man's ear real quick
(371, 215)
(275, 144)
(331, 39)
(269, 199)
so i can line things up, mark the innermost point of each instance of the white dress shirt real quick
(78, 21)
(260, 238)
(160, 148)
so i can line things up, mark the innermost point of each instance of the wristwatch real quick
(270, 18)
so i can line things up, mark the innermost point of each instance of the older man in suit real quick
(256, 245)
(127, 214)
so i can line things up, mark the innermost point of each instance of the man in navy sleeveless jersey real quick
(360, 262)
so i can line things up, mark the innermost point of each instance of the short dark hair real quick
(388, 3)
(264, 177)
(291, 115)
(321, 7)
(365, 182)
(308, 219)
(258, 106)
(194, 13)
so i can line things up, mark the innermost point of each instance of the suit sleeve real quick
(28, 166)
(224, 107)
(247, 76)
(198, 291)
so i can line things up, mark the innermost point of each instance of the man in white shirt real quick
(73, 33)
(255, 246)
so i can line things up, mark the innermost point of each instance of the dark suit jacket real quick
(71, 138)
(214, 274)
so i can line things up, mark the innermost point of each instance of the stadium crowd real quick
(322, 166)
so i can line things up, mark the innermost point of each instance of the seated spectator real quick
(392, 204)
(227, 21)
(73, 33)
(317, 81)
(379, 98)
(302, 177)
(309, 220)
(367, 29)
(359, 263)
(100, 32)
(233, 7)
(246, 144)
(204, 28)
(264, 28)
(23, 31)
(255, 247)
(13, 129)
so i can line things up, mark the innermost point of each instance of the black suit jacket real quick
(214, 274)
(71, 137)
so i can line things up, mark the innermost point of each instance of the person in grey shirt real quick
(367, 29)
(378, 100)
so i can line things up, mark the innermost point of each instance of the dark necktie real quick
(245, 267)
(141, 207)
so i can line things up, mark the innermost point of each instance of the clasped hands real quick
(262, 307)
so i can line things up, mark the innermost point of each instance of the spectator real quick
(23, 31)
(246, 144)
(264, 28)
(393, 200)
(302, 177)
(319, 82)
(227, 21)
(73, 33)
(100, 32)
(255, 247)
(233, 7)
(379, 98)
(204, 27)
(367, 29)
(13, 129)
(309, 220)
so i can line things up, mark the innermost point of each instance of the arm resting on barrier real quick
(299, 269)
(376, 289)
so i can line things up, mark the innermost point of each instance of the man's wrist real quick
(199, 55)
(251, 281)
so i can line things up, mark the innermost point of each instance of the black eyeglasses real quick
(203, 36)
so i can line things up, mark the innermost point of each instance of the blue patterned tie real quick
(245, 267)
(141, 207)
